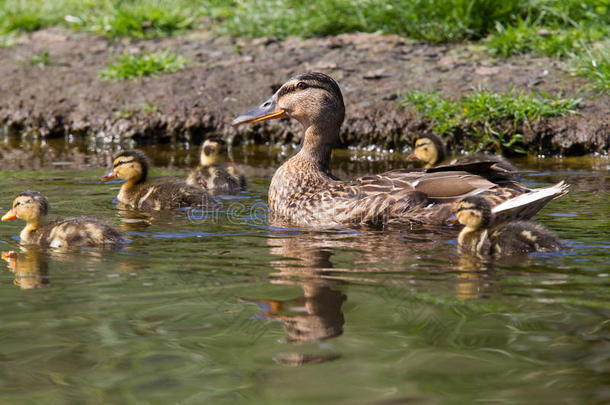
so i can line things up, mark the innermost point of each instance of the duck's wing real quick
(436, 185)
(491, 169)
(500, 163)
(526, 205)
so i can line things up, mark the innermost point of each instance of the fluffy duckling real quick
(431, 150)
(132, 165)
(214, 173)
(480, 235)
(32, 206)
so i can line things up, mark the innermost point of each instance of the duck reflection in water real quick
(377, 259)
(30, 267)
(316, 314)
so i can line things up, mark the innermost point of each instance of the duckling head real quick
(474, 212)
(311, 98)
(131, 165)
(429, 149)
(29, 206)
(212, 151)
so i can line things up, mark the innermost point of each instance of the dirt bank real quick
(226, 77)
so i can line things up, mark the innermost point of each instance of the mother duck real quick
(305, 193)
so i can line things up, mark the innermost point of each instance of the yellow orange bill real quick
(109, 176)
(266, 111)
(9, 215)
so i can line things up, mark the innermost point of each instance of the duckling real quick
(305, 193)
(132, 165)
(480, 235)
(32, 206)
(214, 174)
(431, 150)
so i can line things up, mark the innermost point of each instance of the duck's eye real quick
(302, 85)
(17, 203)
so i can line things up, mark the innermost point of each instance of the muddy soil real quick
(227, 76)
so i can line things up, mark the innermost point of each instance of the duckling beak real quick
(9, 215)
(266, 111)
(109, 176)
(412, 157)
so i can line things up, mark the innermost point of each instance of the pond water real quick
(219, 307)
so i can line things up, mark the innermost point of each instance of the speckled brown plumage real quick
(305, 193)
(165, 196)
(76, 232)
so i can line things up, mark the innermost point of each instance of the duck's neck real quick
(27, 232)
(472, 239)
(128, 187)
(206, 160)
(317, 146)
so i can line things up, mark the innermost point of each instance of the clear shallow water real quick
(221, 307)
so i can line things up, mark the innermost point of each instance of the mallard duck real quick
(32, 206)
(214, 174)
(484, 234)
(304, 192)
(431, 150)
(132, 165)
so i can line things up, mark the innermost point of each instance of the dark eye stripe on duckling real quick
(123, 162)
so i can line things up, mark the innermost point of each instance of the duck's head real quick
(29, 206)
(474, 212)
(429, 149)
(310, 98)
(212, 151)
(131, 165)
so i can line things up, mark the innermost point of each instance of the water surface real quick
(219, 306)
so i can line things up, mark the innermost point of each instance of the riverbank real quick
(225, 76)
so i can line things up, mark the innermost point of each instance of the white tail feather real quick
(526, 205)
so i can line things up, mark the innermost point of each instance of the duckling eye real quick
(17, 203)
(302, 85)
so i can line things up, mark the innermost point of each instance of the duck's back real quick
(500, 161)
(167, 195)
(523, 237)
(77, 232)
(308, 197)
(222, 178)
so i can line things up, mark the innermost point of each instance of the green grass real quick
(431, 20)
(525, 37)
(595, 65)
(492, 119)
(42, 59)
(131, 66)
(113, 18)
(557, 28)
